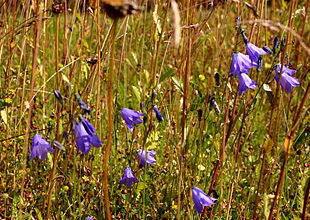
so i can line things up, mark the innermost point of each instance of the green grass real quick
(150, 70)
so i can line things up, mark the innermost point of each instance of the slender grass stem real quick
(110, 121)
(58, 107)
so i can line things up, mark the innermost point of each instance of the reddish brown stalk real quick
(260, 24)
(219, 162)
(30, 98)
(286, 147)
(302, 32)
(98, 64)
(254, 24)
(110, 122)
(65, 47)
(231, 119)
(306, 201)
(11, 47)
(58, 107)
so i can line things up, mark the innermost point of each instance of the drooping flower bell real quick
(287, 81)
(40, 147)
(245, 82)
(158, 114)
(131, 117)
(241, 63)
(267, 49)
(201, 199)
(254, 52)
(82, 104)
(276, 43)
(146, 156)
(128, 178)
(85, 135)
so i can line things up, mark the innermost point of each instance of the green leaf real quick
(4, 116)
(65, 78)
(39, 215)
(137, 93)
(177, 83)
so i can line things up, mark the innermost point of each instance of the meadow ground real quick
(207, 102)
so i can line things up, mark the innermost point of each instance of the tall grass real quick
(252, 153)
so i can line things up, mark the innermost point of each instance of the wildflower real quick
(267, 49)
(275, 44)
(245, 82)
(254, 52)
(89, 218)
(217, 79)
(40, 147)
(128, 178)
(82, 104)
(214, 105)
(158, 114)
(131, 117)
(241, 63)
(150, 157)
(245, 39)
(58, 145)
(201, 199)
(85, 134)
(58, 96)
(287, 81)
(202, 77)
(8, 100)
(259, 64)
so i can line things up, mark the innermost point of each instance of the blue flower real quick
(150, 157)
(58, 96)
(40, 147)
(287, 81)
(131, 117)
(128, 178)
(245, 82)
(254, 52)
(82, 104)
(158, 114)
(89, 218)
(85, 135)
(241, 63)
(276, 43)
(201, 199)
(267, 49)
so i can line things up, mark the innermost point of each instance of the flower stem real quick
(110, 122)
(51, 179)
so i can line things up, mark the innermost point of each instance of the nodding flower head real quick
(241, 63)
(158, 114)
(276, 43)
(40, 147)
(254, 52)
(287, 81)
(131, 117)
(201, 199)
(128, 178)
(245, 82)
(267, 49)
(82, 104)
(146, 157)
(85, 135)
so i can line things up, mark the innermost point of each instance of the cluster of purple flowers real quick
(241, 64)
(85, 133)
(145, 157)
